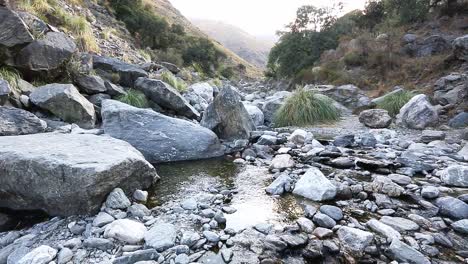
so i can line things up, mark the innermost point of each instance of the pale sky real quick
(258, 17)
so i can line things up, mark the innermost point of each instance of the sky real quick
(257, 17)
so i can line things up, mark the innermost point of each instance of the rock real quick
(158, 137)
(294, 240)
(140, 257)
(53, 165)
(375, 118)
(171, 67)
(305, 225)
(332, 211)
(460, 48)
(344, 141)
(430, 192)
(5, 91)
(459, 121)
(211, 236)
(102, 219)
(282, 162)
(383, 229)
(14, 31)
(227, 116)
(14, 121)
(461, 226)
(166, 96)
(117, 200)
(455, 175)
(315, 186)
(428, 136)
(273, 104)
(65, 102)
(321, 232)
(98, 243)
(64, 256)
(452, 207)
(189, 238)
(189, 204)
(418, 113)
(278, 186)
(40, 255)
(90, 84)
(409, 38)
(368, 140)
(140, 196)
(127, 73)
(382, 184)
(464, 152)
(267, 140)
(125, 230)
(400, 179)
(451, 90)
(204, 90)
(298, 137)
(402, 252)
(400, 224)
(255, 114)
(139, 210)
(46, 54)
(397, 90)
(161, 236)
(324, 220)
(348, 95)
(354, 240)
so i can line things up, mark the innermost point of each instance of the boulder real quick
(354, 240)
(282, 162)
(46, 54)
(348, 95)
(400, 224)
(401, 252)
(53, 165)
(460, 48)
(256, 114)
(396, 91)
(455, 175)
(160, 138)
(459, 121)
(127, 73)
(299, 137)
(428, 136)
(65, 102)
(14, 121)
(161, 236)
(451, 90)
(40, 255)
(5, 91)
(227, 116)
(383, 229)
(125, 230)
(14, 31)
(273, 104)
(375, 118)
(166, 96)
(315, 186)
(171, 67)
(418, 113)
(464, 152)
(90, 84)
(461, 226)
(204, 89)
(452, 207)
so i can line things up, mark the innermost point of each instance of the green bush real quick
(203, 52)
(394, 102)
(354, 59)
(134, 98)
(170, 79)
(305, 108)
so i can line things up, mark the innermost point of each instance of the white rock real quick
(383, 229)
(315, 186)
(298, 137)
(282, 162)
(126, 230)
(40, 255)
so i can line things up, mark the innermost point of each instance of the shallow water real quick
(182, 180)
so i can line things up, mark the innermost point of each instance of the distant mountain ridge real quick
(250, 48)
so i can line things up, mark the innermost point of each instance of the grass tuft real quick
(170, 79)
(393, 103)
(305, 108)
(11, 76)
(134, 98)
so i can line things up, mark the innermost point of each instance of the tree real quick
(313, 18)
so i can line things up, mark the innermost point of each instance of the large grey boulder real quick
(68, 174)
(204, 89)
(397, 90)
(13, 31)
(348, 95)
(273, 104)
(460, 48)
(256, 114)
(15, 121)
(161, 236)
(46, 54)
(375, 118)
(127, 73)
(455, 175)
(160, 138)
(452, 207)
(452, 90)
(90, 84)
(65, 102)
(315, 186)
(418, 113)
(40, 255)
(404, 253)
(166, 96)
(227, 116)
(459, 121)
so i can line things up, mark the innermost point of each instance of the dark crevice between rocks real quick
(16, 220)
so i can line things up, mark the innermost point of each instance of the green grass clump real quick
(134, 98)
(170, 79)
(11, 76)
(394, 102)
(305, 108)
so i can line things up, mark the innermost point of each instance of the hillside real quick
(248, 47)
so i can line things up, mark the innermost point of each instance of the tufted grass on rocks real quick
(394, 102)
(170, 79)
(11, 76)
(306, 108)
(134, 98)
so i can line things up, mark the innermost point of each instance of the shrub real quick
(354, 59)
(134, 98)
(305, 108)
(11, 76)
(170, 79)
(394, 102)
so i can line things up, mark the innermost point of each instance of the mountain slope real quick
(238, 41)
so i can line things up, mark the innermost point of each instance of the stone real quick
(255, 114)
(461, 226)
(354, 240)
(140, 196)
(98, 243)
(324, 220)
(5, 91)
(53, 165)
(127, 73)
(160, 138)
(344, 141)
(139, 210)
(348, 95)
(298, 137)
(46, 54)
(432, 135)
(464, 152)
(273, 104)
(403, 253)
(139, 256)
(278, 186)
(15, 121)
(204, 89)
(418, 113)
(321, 232)
(294, 240)
(375, 118)
(166, 96)
(65, 102)
(305, 225)
(125, 230)
(90, 84)
(452, 207)
(171, 67)
(227, 116)
(14, 31)
(400, 179)
(282, 162)
(64, 256)
(455, 175)
(399, 223)
(430, 192)
(40, 255)
(267, 140)
(189, 238)
(382, 184)
(383, 229)
(211, 236)
(368, 140)
(161, 236)
(459, 121)
(332, 211)
(102, 219)
(117, 200)
(460, 48)
(189, 204)
(315, 186)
